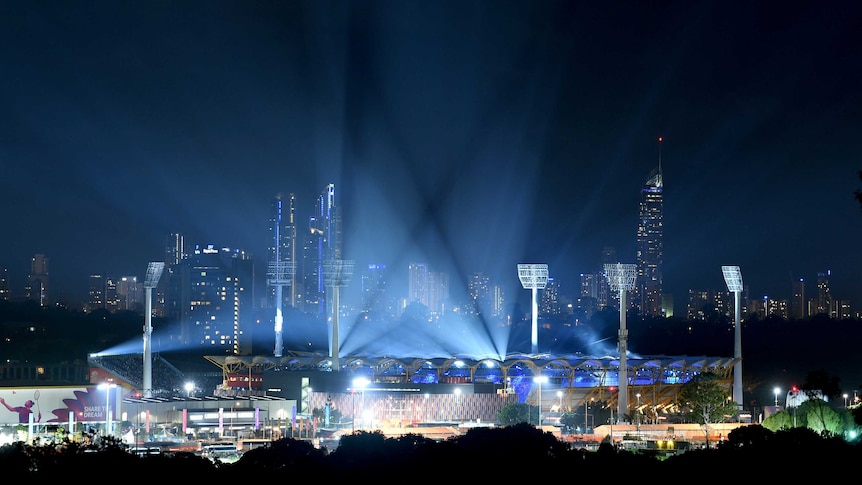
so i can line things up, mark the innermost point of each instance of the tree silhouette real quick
(705, 400)
(515, 413)
(821, 418)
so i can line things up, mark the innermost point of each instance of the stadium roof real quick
(297, 360)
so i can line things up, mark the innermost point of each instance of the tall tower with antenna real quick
(650, 242)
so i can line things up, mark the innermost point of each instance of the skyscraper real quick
(604, 296)
(322, 243)
(130, 293)
(214, 299)
(96, 293)
(374, 283)
(282, 247)
(5, 292)
(824, 298)
(37, 282)
(797, 306)
(650, 245)
(417, 283)
(429, 288)
(438, 292)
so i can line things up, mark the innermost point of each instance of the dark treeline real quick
(490, 454)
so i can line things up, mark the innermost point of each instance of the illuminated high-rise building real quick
(282, 247)
(322, 243)
(429, 288)
(130, 294)
(214, 297)
(549, 301)
(5, 292)
(650, 244)
(374, 282)
(481, 295)
(438, 292)
(604, 296)
(588, 295)
(37, 282)
(175, 254)
(417, 283)
(824, 298)
(96, 293)
(112, 299)
(797, 300)
(175, 249)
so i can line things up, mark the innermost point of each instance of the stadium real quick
(299, 394)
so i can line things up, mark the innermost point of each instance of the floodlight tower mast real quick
(336, 275)
(278, 276)
(621, 278)
(154, 272)
(733, 278)
(534, 277)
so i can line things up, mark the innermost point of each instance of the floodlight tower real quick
(336, 274)
(154, 272)
(534, 277)
(621, 278)
(279, 274)
(733, 278)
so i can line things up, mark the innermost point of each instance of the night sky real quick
(469, 135)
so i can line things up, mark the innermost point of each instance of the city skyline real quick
(805, 292)
(470, 137)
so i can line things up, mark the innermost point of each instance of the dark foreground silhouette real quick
(490, 454)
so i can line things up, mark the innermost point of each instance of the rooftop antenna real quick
(659, 153)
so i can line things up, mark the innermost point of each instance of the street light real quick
(845, 399)
(107, 386)
(190, 386)
(539, 380)
(776, 391)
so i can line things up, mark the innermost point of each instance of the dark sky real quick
(470, 135)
